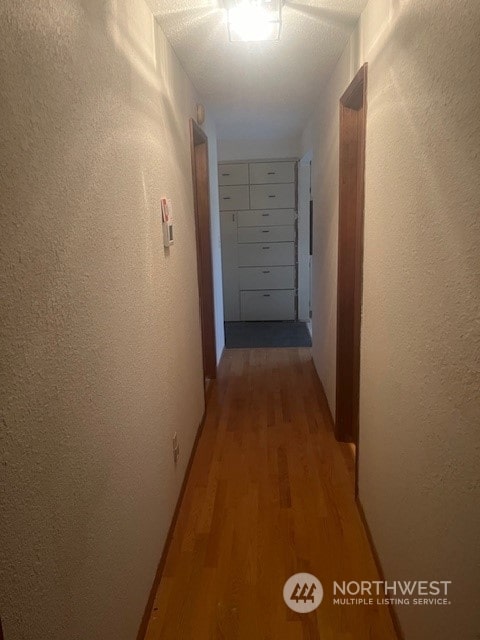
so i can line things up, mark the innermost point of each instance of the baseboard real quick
(376, 557)
(219, 360)
(309, 327)
(161, 565)
(323, 396)
(327, 407)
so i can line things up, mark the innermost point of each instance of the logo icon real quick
(303, 592)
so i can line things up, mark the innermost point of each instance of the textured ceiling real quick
(265, 89)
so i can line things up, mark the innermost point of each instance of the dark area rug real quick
(247, 335)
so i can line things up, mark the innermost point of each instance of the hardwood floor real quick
(269, 495)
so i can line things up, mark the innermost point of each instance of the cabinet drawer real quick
(259, 254)
(233, 198)
(270, 218)
(267, 277)
(271, 172)
(266, 234)
(272, 196)
(267, 305)
(232, 174)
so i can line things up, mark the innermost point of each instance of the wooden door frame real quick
(353, 107)
(201, 194)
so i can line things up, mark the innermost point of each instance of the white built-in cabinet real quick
(258, 216)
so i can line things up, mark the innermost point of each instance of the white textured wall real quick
(322, 134)
(210, 130)
(420, 358)
(100, 340)
(257, 148)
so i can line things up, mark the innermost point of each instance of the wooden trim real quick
(376, 557)
(324, 401)
(359, 235)
(161, 564)
(201, 181)
(209, 388)
(354, 95)
(350, 257)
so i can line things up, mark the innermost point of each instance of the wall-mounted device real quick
(167, 222)
(200, 113)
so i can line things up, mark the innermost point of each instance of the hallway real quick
(277, 200)
(270, 493)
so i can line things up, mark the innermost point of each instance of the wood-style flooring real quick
(270, 494)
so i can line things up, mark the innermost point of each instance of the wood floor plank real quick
(270, 493)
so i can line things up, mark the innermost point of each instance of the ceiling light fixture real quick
(254, 20)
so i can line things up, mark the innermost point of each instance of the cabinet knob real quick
(265, 215)
(266, 271)
(271, 173)
(265, 230)
(265, 247)
(266, 295)
(272, 196)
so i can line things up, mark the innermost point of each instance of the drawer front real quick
(266, 234)
(267, 305)
(272, 172)
(272, 196)
(270, 218)
(259, 254)
(232, 174)
(267, 277)
(234, 198)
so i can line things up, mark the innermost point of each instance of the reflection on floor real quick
(269, 495)
(250, 335)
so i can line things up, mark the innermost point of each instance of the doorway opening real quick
(264, 207)
(305, 239)
(350, 259)
(201, 191)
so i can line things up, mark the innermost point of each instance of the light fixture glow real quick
(254, 20)
(250, 23)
